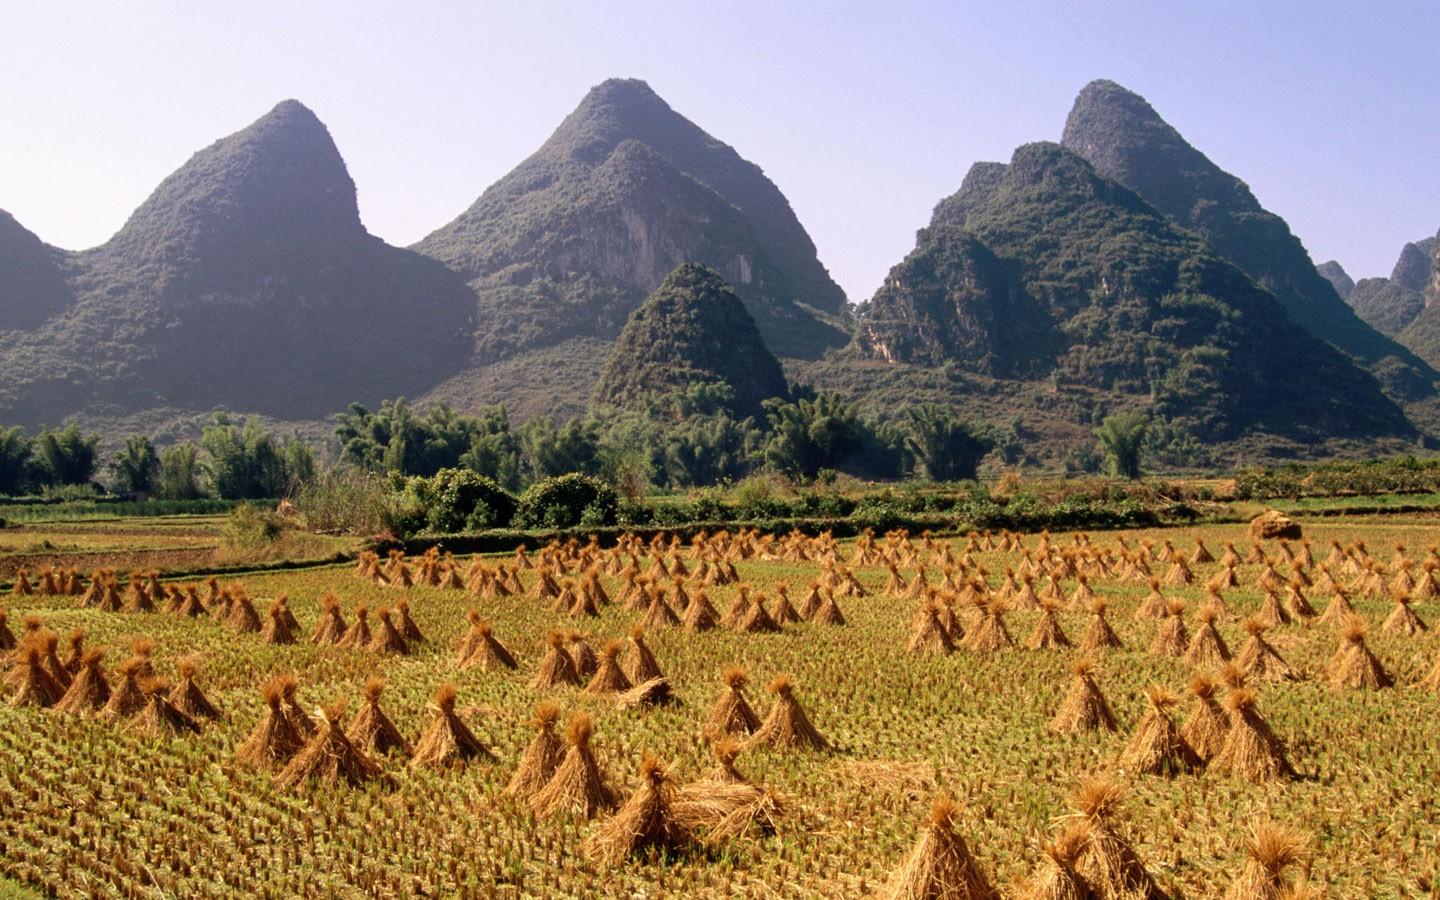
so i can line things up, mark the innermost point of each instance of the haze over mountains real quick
(1117, 268)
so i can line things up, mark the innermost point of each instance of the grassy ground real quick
(96, 806)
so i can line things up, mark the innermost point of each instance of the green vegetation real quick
(245, 281)
(247, 461)
(1124, 138)
(553, 253)
(136, 468)
(693, 330)
(566, 501)
(1123, 437)
(945, 447)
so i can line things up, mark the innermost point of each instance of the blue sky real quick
(865, 114)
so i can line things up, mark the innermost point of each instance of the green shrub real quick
(249, 527)
(454, 500)
(565, 501)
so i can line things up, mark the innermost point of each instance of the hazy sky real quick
(865, 114)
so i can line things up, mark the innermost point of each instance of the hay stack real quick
(609, 678)
(578, 786)
(739, 608)
(1259, 660)
(1338, 611)
(1156, 747)
(640, 664)
(7, 637)
(387, 640)
(242, 616)
(787, 726)
(1154, 605)
(274, 740)
(699, 615)
(276, 629)
(811, 603)
(89, 690)
(1270, 850)
(447, 741)
(645, 823)
(828, 612)
(1206, 726)
(929, 634)
(30, 684)
(1354, 665)
(989, 634)
(1251, 750)
(127, 699)
(331, 627)
(407, 627)
(1099, 636)
(581, 654)
(330, 758)
(659, 614)
(1107, 862)
(940, 865)
(189, 699)
(731, 713)
(1058, 878)
(1171, 638)
(1272, 525)
(158, 716)
(357, 636)
(1403, 619)
(785, 613)
(371, 730)
(1207, 647)
(1084, 707)
(1047, 634)
(756, 619)
(481, 650)
(556, 667)
(542, 757)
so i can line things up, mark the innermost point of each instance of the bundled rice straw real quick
(1084, 708)
(1047, 634)
(447, 741)
(188, 698)
(542, 757)
(640, 663)
(556, 668)
(578, 787)
(1156, 747)
(331, 627)
(330, 758)
(1108, 863)
(1354, 665)
(940, 865)
(1259, 660)
(274, 740)
(89, 690)
(608, 678)
(1099, 635)
(1251, 750)
(1206, 727)
(1058, 878)
(646, 822)
(731, 713)
(787, 726)
(1270, 850)
(371, 730)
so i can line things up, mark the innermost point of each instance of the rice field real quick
(98, 806)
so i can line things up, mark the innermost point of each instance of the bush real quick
(249, 527)
(566, 501)
(349, 500)
(454, 500)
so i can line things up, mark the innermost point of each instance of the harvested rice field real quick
(907, 739)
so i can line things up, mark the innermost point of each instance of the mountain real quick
(1391, 304)
(1056, 272)
(569, 243)
(1125, 139)
(32, 277)
(246, 281)
(692, 330)
(1339, 279)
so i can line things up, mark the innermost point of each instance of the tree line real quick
(684, 439)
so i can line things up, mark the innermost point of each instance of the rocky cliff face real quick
(246, 281)
(32, 277)
(570, 242)
(692, 330)
(1339, 279)
(1123, 137)
(1058, 272)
